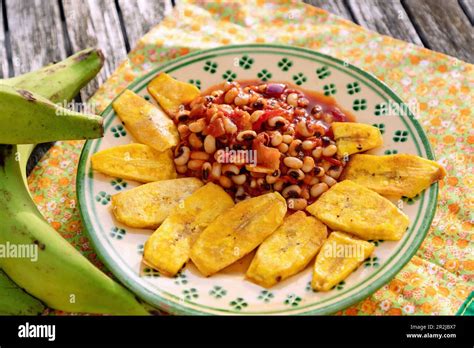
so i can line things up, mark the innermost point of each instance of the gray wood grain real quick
(139, 16)
(335, 6)
(468, 7)
(387, 17)
(443, 26)
(3, 51)
(95, 23)
(36, 34)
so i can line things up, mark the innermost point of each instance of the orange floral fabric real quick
(440, 277)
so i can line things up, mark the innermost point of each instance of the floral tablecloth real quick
(440, 277)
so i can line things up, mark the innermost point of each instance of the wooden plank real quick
(139, 16)
(443, 26)
(336, 7)
(36, 34)
(95, 23)
(468, 7)
(3, 50)
(385, 17)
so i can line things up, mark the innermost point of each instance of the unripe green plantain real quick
(14, 301)
(62, 278)
(57, 82)
(28, 118)
(62, 81)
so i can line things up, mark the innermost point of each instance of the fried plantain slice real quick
(238, 231)
(169, 247)
(146, 121)
(339, 256)
(288, 250)
(171, 93)
(352, 208)
(393, 175)
(137, 162)
(147, 206)
(354, 137)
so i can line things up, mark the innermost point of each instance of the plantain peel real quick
(147, 122)
(339, 256)
(288, 250)
(137, 162)
(169, 247)
(237, 231)
(352, 208)
(171, 93)
(355, 137)
(147, 206)
(393, 175)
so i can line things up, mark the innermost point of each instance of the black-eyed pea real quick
(277, 139)
(230, 169)
(292, 191)
(305, 193)
(296, 174)
(287, 138)
(197, 126)
(295, 147)
(271, 179)
(256, 115)
(319, 171)
(277, 122)
(308, 164)
(329, 150)
(292, 99)
(217, 93)
(278, 185)
(206, 171)
(308, 145)
(229, 126)
(225, 182)
(328, 180)
(302, 128)
(182, 115)
(293, 162)
(183, 156)
(335, 172)
(199, 155)
(239, 179)
(253, 183)
(318, 189)
(216, 170)
(283, 148)
(182, 169)
(297, 203)
(317, 152)
(230, 95)
(210, 144)
(195, 164)
(246, 135)
(326, 165)
(183, 130)
(241, 99)
(195, 141)
(241, 195)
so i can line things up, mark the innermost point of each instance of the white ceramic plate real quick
(371, 101)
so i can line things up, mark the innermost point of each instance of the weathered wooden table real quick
(36, 32)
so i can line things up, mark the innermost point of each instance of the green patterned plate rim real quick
(120, 247)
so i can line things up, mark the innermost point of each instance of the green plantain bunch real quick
(60, 277)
